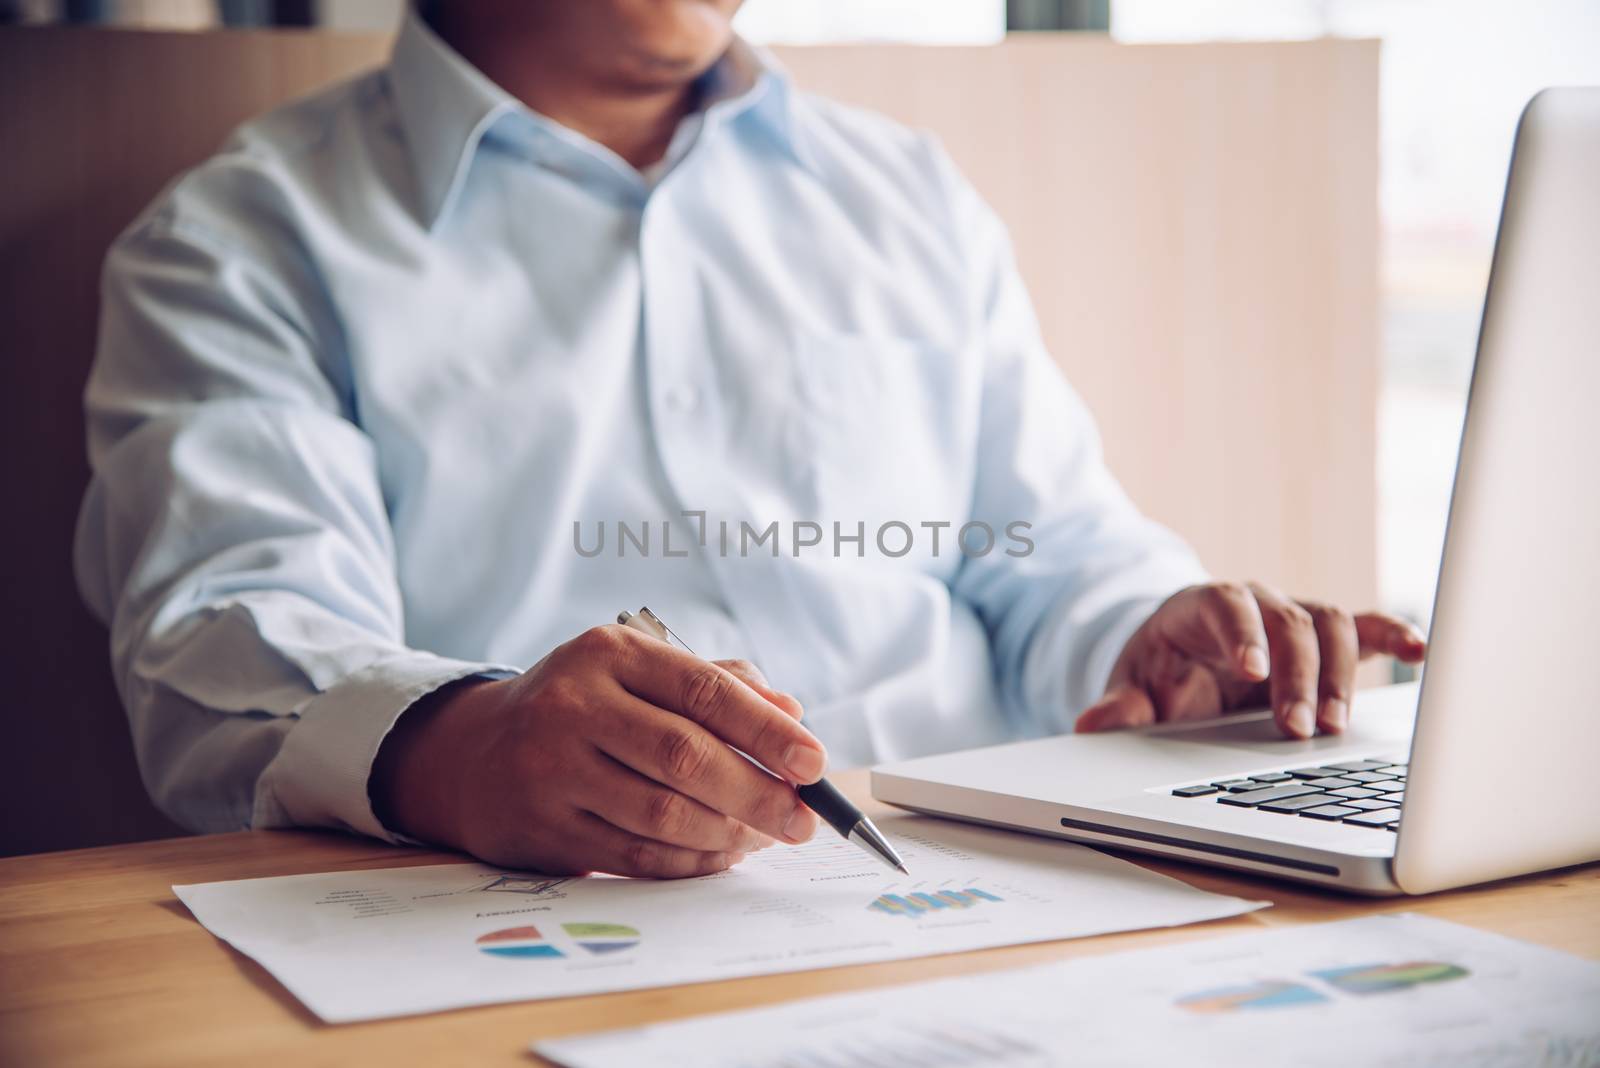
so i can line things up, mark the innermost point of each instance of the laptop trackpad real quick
(1381, 718)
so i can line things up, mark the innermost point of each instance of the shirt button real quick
(682, 398)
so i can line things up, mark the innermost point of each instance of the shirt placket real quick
(689, 431)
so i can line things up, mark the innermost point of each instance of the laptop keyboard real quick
(1364, 793)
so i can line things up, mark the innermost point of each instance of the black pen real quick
(821, 797)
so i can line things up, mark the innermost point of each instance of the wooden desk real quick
(100, 964)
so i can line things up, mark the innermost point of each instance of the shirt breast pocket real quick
(875, 428)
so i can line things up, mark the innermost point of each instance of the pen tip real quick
(902, 869)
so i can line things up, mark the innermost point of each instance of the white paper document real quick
(1397, 990)
(366, 944)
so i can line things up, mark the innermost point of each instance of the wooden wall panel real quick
(1197, 225)
(93, 124)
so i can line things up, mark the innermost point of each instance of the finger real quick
(1384, 635)
(1193, 694)
(1296, 659)
(1220, 625)
(631, 802)
(1339, 652)
(683, 756)
(752, 677)
(1180, 687)
(598, 846)
(716, 699)
(1120, 708)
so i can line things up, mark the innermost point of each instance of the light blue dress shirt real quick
(373, 382)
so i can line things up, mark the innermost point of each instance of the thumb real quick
(1122, 707)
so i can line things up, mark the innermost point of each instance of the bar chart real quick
(920, 903)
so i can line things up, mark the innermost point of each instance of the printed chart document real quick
(366, 944)
(1397, 990)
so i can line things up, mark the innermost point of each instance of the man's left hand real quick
(1214, 648)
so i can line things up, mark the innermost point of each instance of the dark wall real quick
(92, 124)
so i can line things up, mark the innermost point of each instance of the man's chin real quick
(669, 70)
(696, 36)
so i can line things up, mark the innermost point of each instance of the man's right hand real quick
(615, 753)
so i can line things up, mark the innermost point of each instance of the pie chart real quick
(529, 943)
(603, 938)
(517, 942)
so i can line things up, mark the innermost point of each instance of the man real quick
(375, 381)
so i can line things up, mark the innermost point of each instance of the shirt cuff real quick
(1078, 644)
(1101, 656)
(319, 776)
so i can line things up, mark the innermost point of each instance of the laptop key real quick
(1355, 792)
(1330, 812)
(1235, 784)
(1371, 804)
(1333, 782)
(1273, 776)
(1368, 776)
(1393, 786)
(1313, 773)
(1397, 798)
(1393, 769)
(1251, 798)
(1294, 804)
(1194, 791)
(1381, 818)
(1359, 765)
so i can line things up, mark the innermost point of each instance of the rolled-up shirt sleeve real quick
(1094, 568)
(235, 538)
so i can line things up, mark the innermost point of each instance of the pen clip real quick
(657, 621)
(649, 623)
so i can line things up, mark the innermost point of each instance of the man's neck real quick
(637, 123)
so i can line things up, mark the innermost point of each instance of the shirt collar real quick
(751, 81)
(446, 106)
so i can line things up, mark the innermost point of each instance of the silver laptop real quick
(1491, 766)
